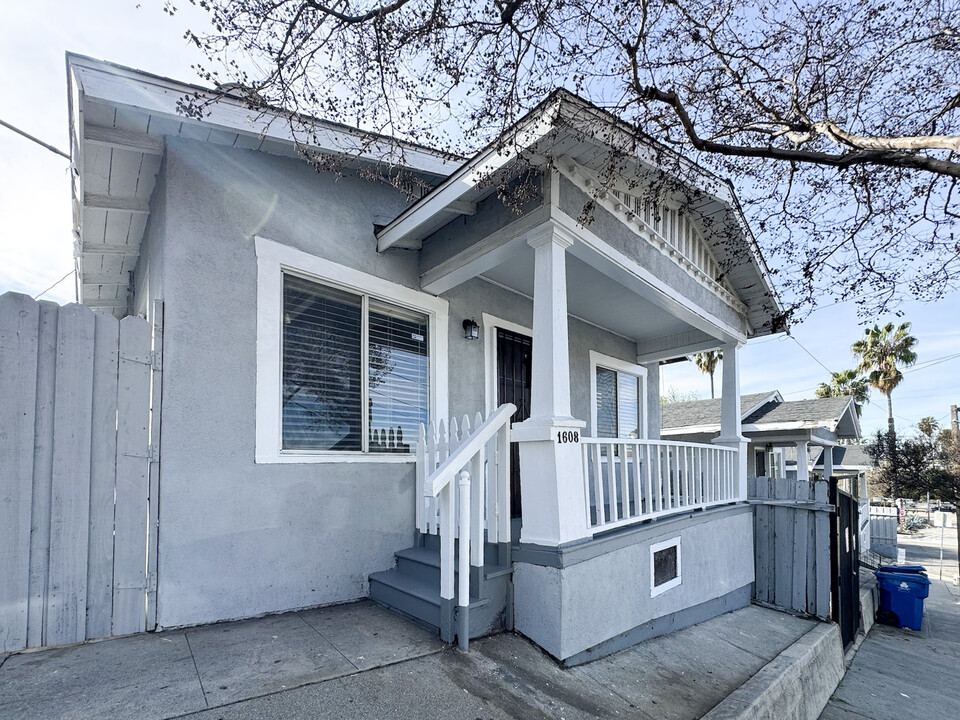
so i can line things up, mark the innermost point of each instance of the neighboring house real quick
(779, 431)
(313, 320)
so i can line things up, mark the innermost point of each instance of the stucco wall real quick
(570, 609)
(236, 538)
(468, 366)
(148, 274)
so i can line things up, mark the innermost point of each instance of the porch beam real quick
(484, 255)
(674, 346)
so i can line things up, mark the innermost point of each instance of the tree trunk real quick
(712, 396)
(892, 447)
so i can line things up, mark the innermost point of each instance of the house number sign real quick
(568, 436)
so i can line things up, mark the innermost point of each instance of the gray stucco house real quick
(312, 321)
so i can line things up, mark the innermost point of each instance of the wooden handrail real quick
(444, 474)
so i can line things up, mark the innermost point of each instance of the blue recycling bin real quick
(902, 593)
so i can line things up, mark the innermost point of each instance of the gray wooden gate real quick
(792, 544)
(77, 528)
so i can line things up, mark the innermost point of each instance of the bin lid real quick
(907, 577)
(906, 568)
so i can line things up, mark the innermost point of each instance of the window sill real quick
(314, 458)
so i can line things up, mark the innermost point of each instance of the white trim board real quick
(273, 259)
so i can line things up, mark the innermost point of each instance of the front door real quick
(513, 386)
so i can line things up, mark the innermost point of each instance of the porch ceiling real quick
(593, 297)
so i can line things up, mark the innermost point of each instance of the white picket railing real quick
(478, 503)
(627, 481)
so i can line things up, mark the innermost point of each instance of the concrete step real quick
(415, 598)
(424, 564)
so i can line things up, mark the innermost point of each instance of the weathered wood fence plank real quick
(153, 501)
(133, 472)
(67, 525)
(103, 469)
(19, 326)
(791, 544)
(70, 501)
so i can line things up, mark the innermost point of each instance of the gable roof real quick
(706, 413)
(567, 130)
(768, 412)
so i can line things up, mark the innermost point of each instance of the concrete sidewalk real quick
(360, 661)
(900, 673)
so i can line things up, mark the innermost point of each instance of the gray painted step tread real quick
(426, 556)
(426, 592)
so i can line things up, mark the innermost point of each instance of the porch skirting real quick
(590, 599)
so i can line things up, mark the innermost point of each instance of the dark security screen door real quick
(513, 386)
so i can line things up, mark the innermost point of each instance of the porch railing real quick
(627, 481)
(477, 503)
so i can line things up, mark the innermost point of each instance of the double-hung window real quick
(619, 393)
(346, 362)
(355, 370)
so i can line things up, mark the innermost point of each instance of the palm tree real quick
(843, 383)
(707, 363)
(880, 351)
(928, 426)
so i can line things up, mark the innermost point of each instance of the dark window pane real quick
(398, 378)
(606, 403)
(664, 565)
(321, 401)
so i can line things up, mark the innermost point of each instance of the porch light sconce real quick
(471, 331)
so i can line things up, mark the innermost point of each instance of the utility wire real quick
(810, 354)
(38, 141)
(54, 285)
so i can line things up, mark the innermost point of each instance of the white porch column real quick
(827, 462)
(551, 460)
(730, 412)
(803, 462)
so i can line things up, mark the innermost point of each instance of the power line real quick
(38, 141)
(810, 354)
(54, 285)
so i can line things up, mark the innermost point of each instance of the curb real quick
(795, 685)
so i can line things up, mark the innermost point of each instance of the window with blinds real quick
(333, 341)
(618, 404)
(398, 376)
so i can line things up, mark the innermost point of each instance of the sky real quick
(36, 233)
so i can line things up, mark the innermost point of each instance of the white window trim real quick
(655, 548)
(611, 363)
(490, 325)
(273, 259)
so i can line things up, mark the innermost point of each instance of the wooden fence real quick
(883, 530)
(792, 544)
(75, 473)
